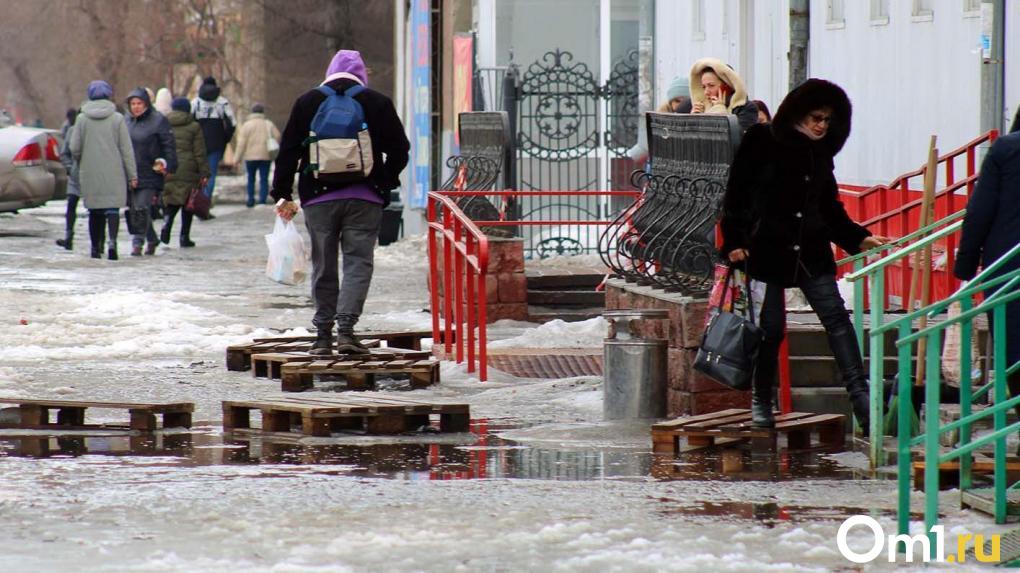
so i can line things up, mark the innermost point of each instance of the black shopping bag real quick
(729, 347)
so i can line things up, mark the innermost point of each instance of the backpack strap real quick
(354, 90)
(326, 90)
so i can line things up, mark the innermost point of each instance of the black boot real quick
(186, 219)
(69, 218)
(346, 343)
(112, 226)
(761, 410)
(97, 235)
(847, 353)
(67, 243)
(323, 345)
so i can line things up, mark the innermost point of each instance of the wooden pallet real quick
(35, 414)
(239, 355)
(359, 372)
(269, 365)
(949, 472)
(321, 416)
(735, 424)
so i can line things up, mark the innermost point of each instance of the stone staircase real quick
(564, 294)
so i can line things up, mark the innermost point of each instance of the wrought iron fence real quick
(667, 238)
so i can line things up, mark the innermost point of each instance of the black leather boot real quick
(67, 243)
(323, 345)
(346, 343)
(847, 353)
(97, 234)
(761, 411)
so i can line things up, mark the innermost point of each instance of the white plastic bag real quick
(288, 258)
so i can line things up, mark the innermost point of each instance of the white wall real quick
(757, 49)
(907, 79)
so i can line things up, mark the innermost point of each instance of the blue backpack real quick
(339, 146)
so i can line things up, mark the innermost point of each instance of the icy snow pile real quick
(558, 334)
(119, 324)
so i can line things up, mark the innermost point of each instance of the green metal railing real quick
(875, 273)
(1004, 290)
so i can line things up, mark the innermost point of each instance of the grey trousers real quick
(141, 200)
(350, 225)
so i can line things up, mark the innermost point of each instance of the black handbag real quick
(729, 347)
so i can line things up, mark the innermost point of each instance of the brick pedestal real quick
(506, 287)
(688, 393)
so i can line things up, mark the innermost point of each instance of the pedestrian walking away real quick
(73, 189)
(216, 117)
(717, 89)
(156, 160)
(341, 210)
(991, 228)
(253, 146)
(192, 171)
(101, 145)
(781, 212)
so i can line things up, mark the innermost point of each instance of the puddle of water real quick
(769, 513)
(429, 456)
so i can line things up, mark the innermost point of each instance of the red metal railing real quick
(894, 210)
(465, 259)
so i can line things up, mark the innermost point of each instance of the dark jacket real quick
(384, 127)
(781, 201)
(215, 116)
(991, 226)
(192, 165)
(151, 138)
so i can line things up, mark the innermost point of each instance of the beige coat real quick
(252, 139)
(727, 75)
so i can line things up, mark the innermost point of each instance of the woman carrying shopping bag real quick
(192, 171)
(781, 212)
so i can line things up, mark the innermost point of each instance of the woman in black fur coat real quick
(781, 213)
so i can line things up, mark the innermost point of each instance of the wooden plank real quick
(236, 416)
(715, 423)
(143, 420)
(312, 426)
(671, 424)
(779, 419)
(150, 406)
(808, 422)
(398, 364)
(373, 365)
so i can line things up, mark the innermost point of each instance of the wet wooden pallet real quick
(983, 464)
(268, 365)
(321, 416)
(35, 414)
(360, 373)
(735, 423)
(239, 355)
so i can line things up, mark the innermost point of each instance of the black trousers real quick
(824, 298)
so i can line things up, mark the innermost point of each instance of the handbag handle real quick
(747, 287)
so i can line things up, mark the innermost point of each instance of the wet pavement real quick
(540, 483)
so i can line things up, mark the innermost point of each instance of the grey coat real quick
(101, 145)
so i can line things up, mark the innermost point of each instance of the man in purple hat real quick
(341, 216)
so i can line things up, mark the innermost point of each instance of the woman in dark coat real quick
(192, 170)
(781, 213)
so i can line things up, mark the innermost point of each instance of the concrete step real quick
(545, 313)
(563, 280)
(572, 298)
(823, 400)
(821, 371)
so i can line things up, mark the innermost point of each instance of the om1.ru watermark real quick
(908, 542)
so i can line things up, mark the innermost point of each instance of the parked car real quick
(30, 170)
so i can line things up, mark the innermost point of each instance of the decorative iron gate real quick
(572, 135)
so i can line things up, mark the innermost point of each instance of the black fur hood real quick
(809, 96)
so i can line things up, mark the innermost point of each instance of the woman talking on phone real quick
(716, 88)
(781, 214)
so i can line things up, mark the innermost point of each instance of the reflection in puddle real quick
(425, 456)
(768, 512)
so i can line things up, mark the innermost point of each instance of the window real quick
(835, 15)
(923, 11)
(698, 19)
(879, 12)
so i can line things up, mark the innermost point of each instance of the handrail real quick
(464, 245)
(902, 240)
(888, 259)
(898, 211)
(975, 285)
(991, 302)
(989, 136)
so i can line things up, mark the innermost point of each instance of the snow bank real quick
(558, 334)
